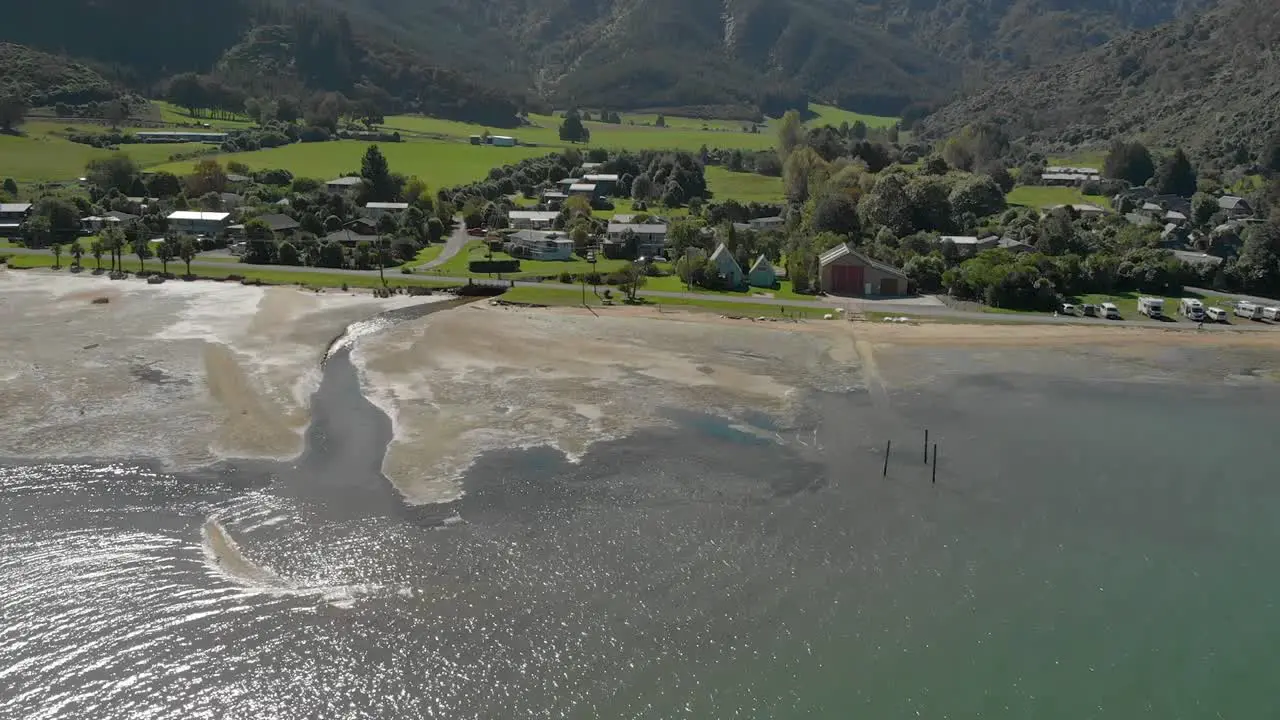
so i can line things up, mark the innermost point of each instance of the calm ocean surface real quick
(1091, 550)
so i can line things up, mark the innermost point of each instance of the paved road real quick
(852, 304)
(452, 246)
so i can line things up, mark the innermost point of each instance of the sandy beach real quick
(183, 373)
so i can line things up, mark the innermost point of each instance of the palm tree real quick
(141, 248)
(97, 251)
(56, 248)
(386, 226)
(165, 252)
(187, 251)
(77, 252)
(113, 241)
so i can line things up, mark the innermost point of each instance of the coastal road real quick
(889, 307)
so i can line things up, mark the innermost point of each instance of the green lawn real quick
(562, 296)
(440, 163)
(673, 283)
(171, 113)
(268, 275)
(1084, 158)
(830, 115)
(743, 187)
(1047, 196)
(425, 255)
(42, 154)
(457, 266)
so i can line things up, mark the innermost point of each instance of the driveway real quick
(452, 246)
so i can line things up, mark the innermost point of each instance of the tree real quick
(207, 176)
(661, 121)
(260, 242)
(835, 212)
(187, 250)
(113, 241)
(386, 227)
(1176, 176)
(979, 195)
(330, 255)
(56, 249)
(1130, 162)
(141, 248)
(13, 109)
(379, 185)
(631, 278)
(887, 205)
(803, 172)
(77, 252)
(118, 171)
(166, 252)
(97, 250)
(435, 229)
(116, 112)
(1258, 266)
(1203, 208)
(11, 187)
(288, 254)
(163, 184)
(929, 203)
(642, 187)
(790, 134)
(187, 91)
(572, 129)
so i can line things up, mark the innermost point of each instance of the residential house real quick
(605, 183)
(590, 167)
(762, 274)
(630, 218)
(353, 233)
(651, 238)
(567, 183)
(282, 225)
(502, 141)
(1084, 209)
(95, 223)
(199, 222)
(539, 245)
(1197, 259)
(179, 137)
(1173, 216)
(765, 224)
(553, 198)
(375, 210)
(238, 182)
(1139, 219)
(1235, 207)
(728, 269)
(532, 219)
(970, 245)
(230, 200)
(1014, 245)
(1092, 173)
(1062, 178)
(339, 186)
(12, 215)
(587, 190)
(845, 271)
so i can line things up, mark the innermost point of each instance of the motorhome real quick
(1216, 314)
(1249, 310)
(1151, 306)
(1271, 313)
(1110, 311)
(1192, 308)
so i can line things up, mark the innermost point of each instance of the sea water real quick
(1089, 550)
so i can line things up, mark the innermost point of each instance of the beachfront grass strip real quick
(673, 283)
(565, 297)
(265, 274)
(1043, 196)
(459, 265)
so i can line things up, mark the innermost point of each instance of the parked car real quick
(1216, 314)
(476, 232)
(1068, 309)
(1110, 311)
(1089, 310)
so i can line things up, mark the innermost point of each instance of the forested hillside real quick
(1210, 83)
(464, 57)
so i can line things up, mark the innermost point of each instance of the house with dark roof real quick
(341, 185)
(1235, 207)
(12, 215)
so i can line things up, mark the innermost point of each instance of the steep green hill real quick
(1210, 83)
(737, 56)
(45, 79)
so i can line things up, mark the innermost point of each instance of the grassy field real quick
(743, 187)
(440, 163)
(170, 113)
(672, 283)
(1047, 196)
(1084, 158)
(457, 266)
(267, 275)
(42, 154)
(563, 297)
(830, 115)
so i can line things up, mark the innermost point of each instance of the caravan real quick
(1152, 307)
(1192, 308)
(1271, 313)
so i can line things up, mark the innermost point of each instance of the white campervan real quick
(1110, 311)
(1192, 308)
(1152, 307)
(1249, 310)
(1271, 313)
(1216, 314)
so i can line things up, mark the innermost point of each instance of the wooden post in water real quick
(926, 446)
(887, 446)
(935, 463)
